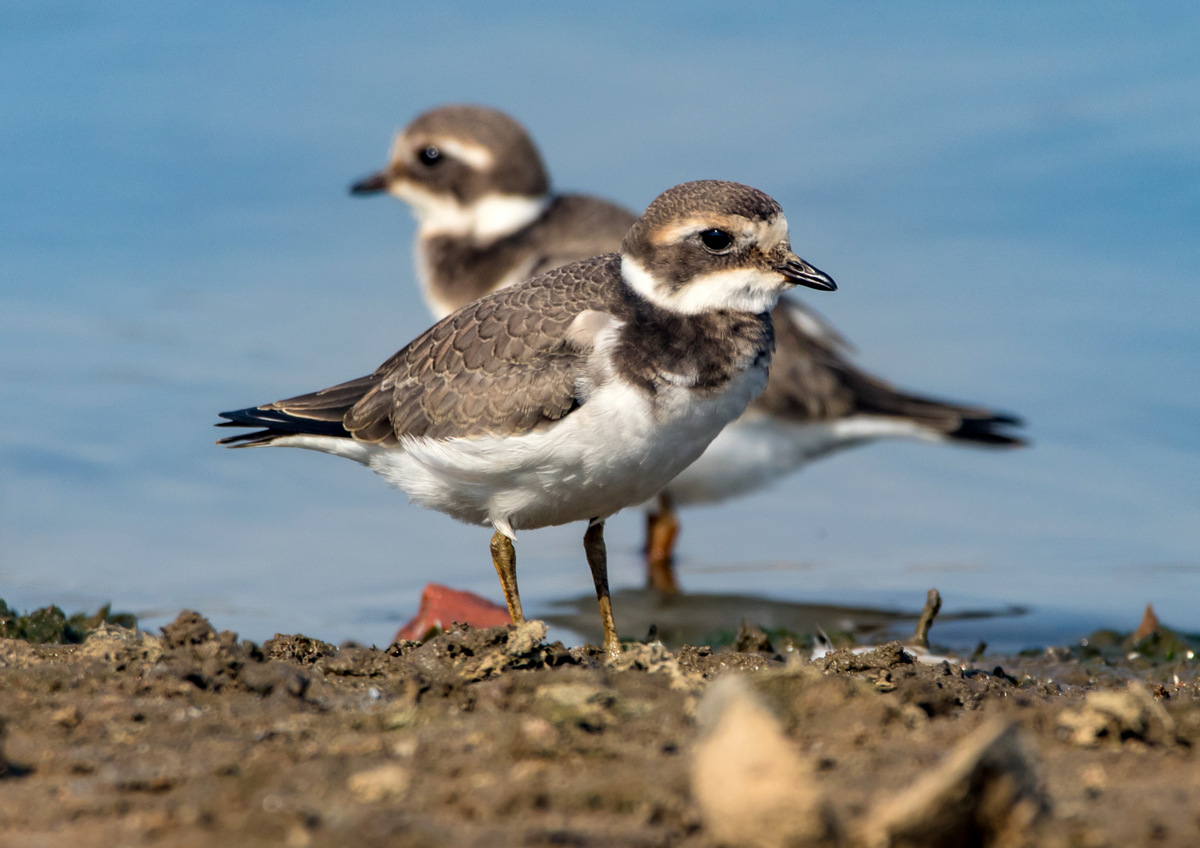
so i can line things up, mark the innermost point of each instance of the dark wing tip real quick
(251, 417)
(989, 431)
(255, 438)
(274, 423)
(1007, 419)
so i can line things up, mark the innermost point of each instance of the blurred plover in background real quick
(577, 393)
(486, 218)
(485, 215)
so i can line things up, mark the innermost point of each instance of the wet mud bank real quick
(495, 737)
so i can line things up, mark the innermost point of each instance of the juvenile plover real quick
(486, 219)
(577, 393)
(485, 216)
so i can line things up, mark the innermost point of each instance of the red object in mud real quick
(441, 605)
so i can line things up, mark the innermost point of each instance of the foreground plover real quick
(577, 393)
(486, 218)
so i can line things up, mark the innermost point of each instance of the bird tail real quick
(317, 414)
(952, 422)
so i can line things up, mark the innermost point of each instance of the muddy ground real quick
(496, 738)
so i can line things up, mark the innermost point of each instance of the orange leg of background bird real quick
(662, 528)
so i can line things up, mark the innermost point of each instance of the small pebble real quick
(386, 781)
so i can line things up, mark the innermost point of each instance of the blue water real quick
(1008, 196)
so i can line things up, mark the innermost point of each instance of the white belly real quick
(617, 450)
(757, 449)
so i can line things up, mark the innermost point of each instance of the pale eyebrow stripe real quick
(475, 155)
(688, 226)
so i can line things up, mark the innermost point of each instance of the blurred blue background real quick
(1008, 196)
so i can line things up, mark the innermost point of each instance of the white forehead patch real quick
(397, 146)
(774, 231)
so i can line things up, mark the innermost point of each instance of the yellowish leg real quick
(505, 560)
(662, 528)
(597, 557)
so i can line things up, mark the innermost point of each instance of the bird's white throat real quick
(491, 217)
(751, 290)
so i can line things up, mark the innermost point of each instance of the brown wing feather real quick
(499, 365)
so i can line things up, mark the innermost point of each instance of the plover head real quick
(711, 246)
(465, 171)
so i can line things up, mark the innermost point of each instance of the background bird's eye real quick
(430, 155)
(718, 241)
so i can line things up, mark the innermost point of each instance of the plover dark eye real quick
(716, 241)
(430, 156)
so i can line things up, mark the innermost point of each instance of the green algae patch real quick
(50, 625)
